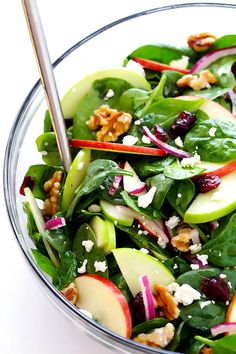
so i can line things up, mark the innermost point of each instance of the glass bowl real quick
(112, 43)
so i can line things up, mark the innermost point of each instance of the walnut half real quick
(111, 123)
(158, 338)
(167, 305)
(197, 82)
(201, 41)
(70, 292)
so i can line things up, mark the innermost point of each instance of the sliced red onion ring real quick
(148, 299)
(164, 146)
(115, 184)
(225, 327)
(55, 223)
(209, 58)
(232, 97)
(213, 225)
(195, 237)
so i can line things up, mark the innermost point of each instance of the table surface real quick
(29, 321)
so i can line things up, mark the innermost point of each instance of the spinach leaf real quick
(180, 195)
(177, 266)
(98, 171)
(210, 93)
(148, 326)
(161, 53)
(149, 166)
(121, 284)
(47, 145)
(40, 174)
(67, 270)
(181, 334)
(59, 239)
(203, 318)
(176, 171)
(225, 41)
(145, 241)
(171, 89)
(162, 185)
(223, 345)
(221, 250)
(46, 265)
(196, 347)
(133, 99)
(94, 99)
(85, 233)
(47, 124)
(132, 203)
(220, 148)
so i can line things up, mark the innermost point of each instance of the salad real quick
(140, 234)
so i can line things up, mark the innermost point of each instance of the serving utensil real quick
(48, 80)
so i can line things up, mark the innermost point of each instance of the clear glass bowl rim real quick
(7, 177)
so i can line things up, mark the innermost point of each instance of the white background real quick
(30, 324)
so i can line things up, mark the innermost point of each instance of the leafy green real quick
(162, 185)
(133, 99)
(68, 269)
(181, 334)
(85, 233)
(59, 239)
(132, 203)
(148, 326)
(47, 126)
(120, 282)
(149, 166)
(225, 41)
(220, 148)
(221, 250)
(47, 145)
(178, 172)
(40, 174)
(46, 265)
(93, 100)
(180, 195)
(225, 345)
(98, 171)
(177, 265)
(195, 347)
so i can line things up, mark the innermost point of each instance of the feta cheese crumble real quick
(82, 269)
(137, 122)
(144, 250)
(212, 132)
(194, 266)
(94, 208)
(88, 245)
(129, 140)
(205, 303)
(100, 266)
(191, 161)
(181, 63)
(146, 139)
(195, 248)
(223, 276)
(184, 294)
(145, 200)
(179, 195)
(179, 142)
(203, 258)
(161, 242)
(172, 222)
(110, 93)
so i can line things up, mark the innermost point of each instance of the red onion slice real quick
(148, 299)
(225, 327)
(55, 223)
(164, 146)
(213, 225)
(209, 58)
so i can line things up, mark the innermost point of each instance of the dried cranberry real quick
(27, 182)
(207, 182)
(182, 124)
(233, 68)
(137, 309)
(215, 288)
(160, 133)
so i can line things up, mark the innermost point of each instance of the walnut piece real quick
(182, 240)
(52, 188)
(206, 350)
(111, 123)
(196, 82)
(201, 41)
(70, 292)
(158, 338)
(167, 305)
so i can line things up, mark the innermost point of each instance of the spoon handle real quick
(48, 80)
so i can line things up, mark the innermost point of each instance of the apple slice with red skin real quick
(100, 145)
(231, 312)
(221, 169)
(156, 66)
(105, 302)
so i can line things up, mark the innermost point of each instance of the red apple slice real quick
(231, 312)
(219, 169)
(105, 302)
(156, 66)
(100, 145)
(153, 227)
(133, 184)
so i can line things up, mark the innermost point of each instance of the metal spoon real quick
(48, 80)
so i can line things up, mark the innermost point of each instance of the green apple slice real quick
(75, 177)
(214, 204)
(100, 230)
(134, 263)
(111, 237)
(71, 99)
(117, 213)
